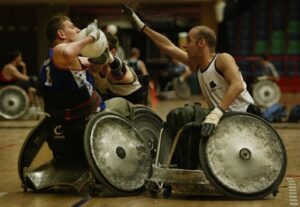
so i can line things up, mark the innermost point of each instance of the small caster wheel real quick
(167, 192)
(153, 193)
(152, 189)
(96, 188)
(275, 193)
(24, 186)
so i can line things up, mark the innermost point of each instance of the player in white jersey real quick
(120, 81)
(219, 76)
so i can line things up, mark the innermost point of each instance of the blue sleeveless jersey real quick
(55, 79)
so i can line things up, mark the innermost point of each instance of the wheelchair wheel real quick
(14, 102)
(117, 155)
(245, 158)
(30, 148)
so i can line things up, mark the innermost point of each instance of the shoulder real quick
(9, 67)
(60, 57)
(140, 62)
(59, 48)
(225, 60)
(224, 57)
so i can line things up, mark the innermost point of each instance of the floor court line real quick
(7, 146)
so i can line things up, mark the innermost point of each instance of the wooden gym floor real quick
(13, 133)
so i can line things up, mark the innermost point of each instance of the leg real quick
(186, 154)
(176, 119)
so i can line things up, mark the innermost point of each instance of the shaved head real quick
(206, 33)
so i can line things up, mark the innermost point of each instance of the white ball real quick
(96, 48)
(112, 29)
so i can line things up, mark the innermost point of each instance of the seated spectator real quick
(175, 69)
(15, 73)
(267, 69)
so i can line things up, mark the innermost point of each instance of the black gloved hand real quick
(117, 68)
(211, 121)
(133, 17)
(92, 30)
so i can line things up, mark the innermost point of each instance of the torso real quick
(214, 87)
(5, 77)
(65, 80)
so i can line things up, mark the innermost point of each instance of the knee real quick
(181, 115)
(177, 118)
(121, 106)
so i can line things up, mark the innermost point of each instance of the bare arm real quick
(143, 67)
(227, 65)
(166, 46)
(65, 54)
(13, 72)
(161, 41)
(24, 68)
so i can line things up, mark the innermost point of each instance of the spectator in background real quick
(178, 70)
(267, 69)
(175, 69)
(139, 67)
(15, 73)
(10, 72)
(135, 63)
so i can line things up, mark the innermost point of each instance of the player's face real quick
(192, 48)
(70, 31)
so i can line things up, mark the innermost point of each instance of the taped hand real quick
(211, 121)
(93, 30)
(133, 18)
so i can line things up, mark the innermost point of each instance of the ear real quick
(60, 33)
(201, 42)
(113, 51)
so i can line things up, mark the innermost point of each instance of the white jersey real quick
(214, 87)
(105, 86)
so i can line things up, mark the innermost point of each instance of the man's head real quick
(60, 28)
(200, 37)
(113, 42)
(135, 52)
(15, 55)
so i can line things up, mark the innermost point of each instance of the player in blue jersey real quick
(67, 88)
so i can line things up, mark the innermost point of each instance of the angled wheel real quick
(245, 158)
(149, 124)
(118, 156)
(30, 148)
